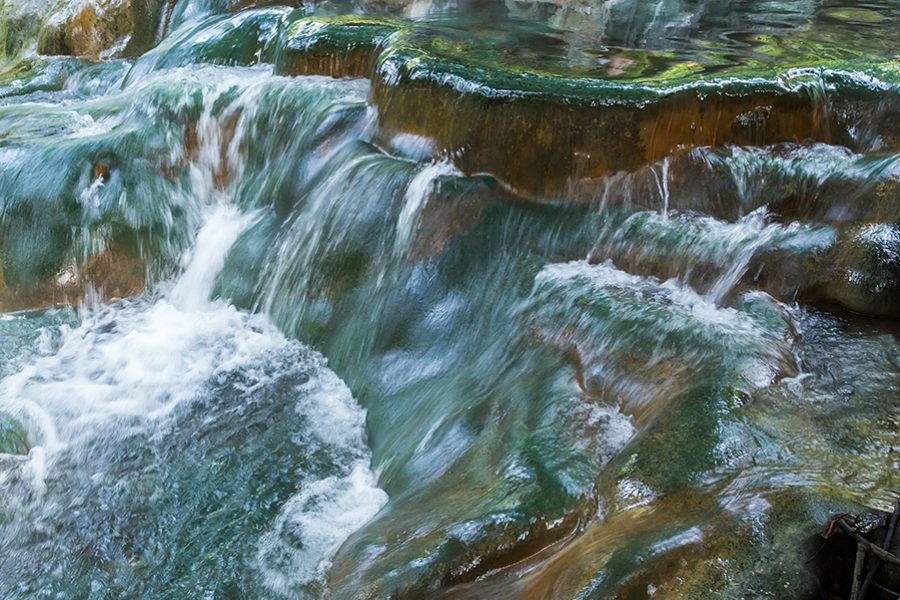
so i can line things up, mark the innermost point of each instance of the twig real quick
(886, 590)
(857, 570)
(869, 546)
(886, 544)
(816, 553)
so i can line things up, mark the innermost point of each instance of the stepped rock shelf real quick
(540, 132)
(547, 130)
(605, 315)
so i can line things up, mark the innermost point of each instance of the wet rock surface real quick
(867, 270)
(91, 29)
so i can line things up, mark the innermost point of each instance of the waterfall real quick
(444, 299)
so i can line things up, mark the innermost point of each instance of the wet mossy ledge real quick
(540, 131)
(544, 131)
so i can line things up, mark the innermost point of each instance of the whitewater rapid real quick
(112, 401)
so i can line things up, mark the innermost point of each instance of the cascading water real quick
(140, 415)
(272, 334)
(143, 413)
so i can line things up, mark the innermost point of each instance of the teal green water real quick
(354, 371)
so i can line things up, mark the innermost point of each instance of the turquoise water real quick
(252, 349)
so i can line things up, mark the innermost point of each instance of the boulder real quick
(866, 270)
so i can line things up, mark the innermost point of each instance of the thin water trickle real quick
(205, 260)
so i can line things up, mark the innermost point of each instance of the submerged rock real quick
(765, 553)
(112, 273)
(501, 458)
(244, 38)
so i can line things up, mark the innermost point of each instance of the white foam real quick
(757, 350)
(128, 366)
(323, 515)
(727, 246)
(136, 359)
(205, 260)
(683, 298)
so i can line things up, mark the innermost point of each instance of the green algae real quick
(339, 33)
(20, 24)
(34, 76)
(336, 46)
(856, 15)
(411, 65)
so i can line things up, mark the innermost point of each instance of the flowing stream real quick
(255, 347)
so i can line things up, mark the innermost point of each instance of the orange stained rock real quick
(110, 274)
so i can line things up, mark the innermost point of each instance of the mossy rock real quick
(855, 15)
(20, 23)
(13, 437)
(338, 47)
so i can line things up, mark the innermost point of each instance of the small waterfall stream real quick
(257, 340)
